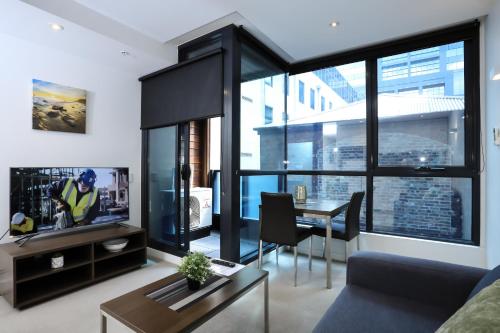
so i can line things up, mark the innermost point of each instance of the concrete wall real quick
(113, 117)
(492, 45)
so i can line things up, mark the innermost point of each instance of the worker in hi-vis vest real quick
(78, 197)
(21, 224)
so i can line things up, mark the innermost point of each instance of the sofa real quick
(389, 293)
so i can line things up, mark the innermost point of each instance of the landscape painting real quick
(58, 108)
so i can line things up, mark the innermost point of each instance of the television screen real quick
(53, 199)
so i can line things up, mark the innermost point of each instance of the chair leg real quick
(295, 264)
(259, 260)
(324, 247)
(310, 252)
(346, 246)
(357, 243)
(277, 252)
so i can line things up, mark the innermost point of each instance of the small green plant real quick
(196, 266)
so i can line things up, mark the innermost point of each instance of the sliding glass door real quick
(167, 175)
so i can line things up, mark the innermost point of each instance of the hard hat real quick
(18, 218)
(88, 177)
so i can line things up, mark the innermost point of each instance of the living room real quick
(336, 158)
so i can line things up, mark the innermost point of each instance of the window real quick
(433, 90)
(406, 142)
(261, 145)
(333, 140)
(301, 92)
(312, 101)
(428, 207)
(422, 130)
(268, 115)
(251, 187)
(330, 188)
(269, 81)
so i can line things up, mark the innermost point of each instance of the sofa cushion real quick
(488, 279)
(358, 309)
(479, 314)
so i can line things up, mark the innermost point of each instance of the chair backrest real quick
(277, 219)
(352, 215)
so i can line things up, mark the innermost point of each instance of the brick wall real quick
(417, 206)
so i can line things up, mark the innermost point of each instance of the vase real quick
(193, 284)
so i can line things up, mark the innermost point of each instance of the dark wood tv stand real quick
(26, 276)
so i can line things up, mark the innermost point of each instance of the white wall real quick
(113, 117)
(492, 152)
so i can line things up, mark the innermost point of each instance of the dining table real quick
(325, 210)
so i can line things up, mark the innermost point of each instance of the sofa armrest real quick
(432, 282)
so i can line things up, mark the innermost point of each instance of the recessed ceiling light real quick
(125, 53)
(56, 27)
(334, 24)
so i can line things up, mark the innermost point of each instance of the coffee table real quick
(141, 313)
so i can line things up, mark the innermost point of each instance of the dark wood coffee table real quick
(142, 314)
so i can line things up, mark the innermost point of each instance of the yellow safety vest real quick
(78, 210)
(24, 227)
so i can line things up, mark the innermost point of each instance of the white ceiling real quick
(151, 29)
(300, 28)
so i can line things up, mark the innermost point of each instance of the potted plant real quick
(196, 268)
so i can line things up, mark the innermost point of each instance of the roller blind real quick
(187, 91)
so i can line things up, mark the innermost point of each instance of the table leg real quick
(266, 305)
(104, 326)
(328, 246)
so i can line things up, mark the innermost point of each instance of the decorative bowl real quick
(115, 245)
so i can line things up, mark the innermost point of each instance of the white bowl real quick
(115, 245)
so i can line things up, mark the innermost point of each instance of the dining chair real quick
(278, 225)
(344, 230)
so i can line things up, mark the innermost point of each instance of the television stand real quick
(21, 241)
(28, 278)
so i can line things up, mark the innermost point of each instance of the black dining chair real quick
(345, 230)
(278, 225)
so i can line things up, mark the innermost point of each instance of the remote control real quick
(223, 263)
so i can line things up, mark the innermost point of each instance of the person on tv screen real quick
(21, 224)
(78, 197)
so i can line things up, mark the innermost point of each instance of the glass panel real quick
(216, 192)
(421, 107)
(262, 113)
(333, 138)
(251, 187)
(426, 207)
(331, 188)
(162, 177)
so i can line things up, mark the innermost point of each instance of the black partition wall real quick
(400, 121)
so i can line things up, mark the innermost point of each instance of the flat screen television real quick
(46, 200)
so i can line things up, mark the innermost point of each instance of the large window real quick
(400, 124)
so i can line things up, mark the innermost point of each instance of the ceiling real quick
(300, 28)
(296, 29)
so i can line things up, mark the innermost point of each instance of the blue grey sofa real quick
(389, 293)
